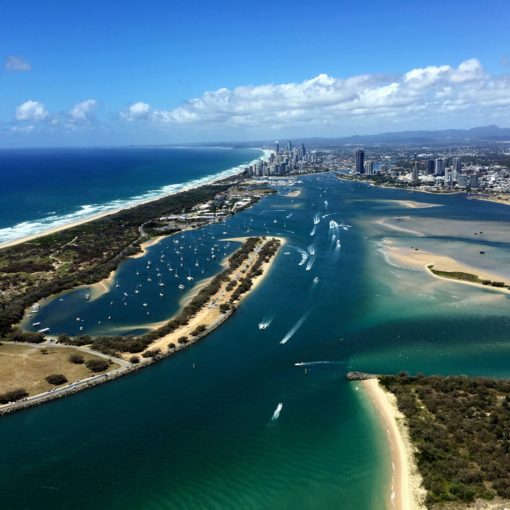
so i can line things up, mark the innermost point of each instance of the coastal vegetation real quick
(29, 366)
(115, 345)
(81, 255)
(467, 277)
(461, 429)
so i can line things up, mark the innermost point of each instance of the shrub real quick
(134, 359)
(198, 330)
(97, 365)
(77, 359)
(13, 396)
(183, 340)
(56, 379)
(152, 353)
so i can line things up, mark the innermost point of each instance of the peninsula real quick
(88, 254)
(447, 439)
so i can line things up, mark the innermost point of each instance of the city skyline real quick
(200, 74)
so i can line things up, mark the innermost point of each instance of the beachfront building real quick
(360, 161)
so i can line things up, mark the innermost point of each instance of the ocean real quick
(45, 188)
(199, 430)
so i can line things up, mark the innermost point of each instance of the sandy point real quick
(406, 492)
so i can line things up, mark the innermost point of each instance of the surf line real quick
(294, 328)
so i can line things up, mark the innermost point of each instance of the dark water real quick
(44, 188)
(196, 431)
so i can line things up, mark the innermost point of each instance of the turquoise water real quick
(196, 431)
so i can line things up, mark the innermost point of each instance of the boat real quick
(181, 286)
(316, 279)
(44, 330)
(145, 304)
(189, 277)
(36, 324)
(87, 296)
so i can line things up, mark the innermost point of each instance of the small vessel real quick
(189, 277)
(36, 324)
(316, 279)
(181, 286)
(44, 330)
(161, 294)
(87, 296)
(145, 304)
(161, 284)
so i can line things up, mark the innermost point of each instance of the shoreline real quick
(236, 171)
(126, 367)
(406, 492)
(421, 260)
(210, 313)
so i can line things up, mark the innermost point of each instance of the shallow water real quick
(196, 430)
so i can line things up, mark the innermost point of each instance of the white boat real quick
(189, 277)
(44, 330)
(181, 286)
(87, 296)
(316, 279)
(36, 324)
(145, 304)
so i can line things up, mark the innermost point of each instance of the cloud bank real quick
(432, 91)
(425, 97)
(13, 63)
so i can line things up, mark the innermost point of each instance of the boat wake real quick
(304, 256)
(277, 412)
(310, 263)
(293, 330)
(265, 323)
(315, 363)
(314, 229)
(316, 219)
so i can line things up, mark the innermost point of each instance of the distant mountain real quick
(442, 137)
(482, 134)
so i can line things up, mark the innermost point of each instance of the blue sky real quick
(72, 71)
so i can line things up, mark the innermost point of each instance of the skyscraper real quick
(430, 166)
(456, 165)
(303, 149)
(369, 167)
(439, 167)
(414, 172)
(360, 161)
(277, 147)
(290, 146)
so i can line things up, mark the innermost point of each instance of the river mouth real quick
(199, 429)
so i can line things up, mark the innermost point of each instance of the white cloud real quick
(84, 111)
(137, 111)
(428, 91)
(13, 63)
(31, 111)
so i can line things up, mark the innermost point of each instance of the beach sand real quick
(59, 228)
(411, 258)
(406, 488)
(210, 314)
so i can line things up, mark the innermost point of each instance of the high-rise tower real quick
(360, 161)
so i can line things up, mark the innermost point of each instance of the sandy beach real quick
(98, 216)
(210, 315)
(411, 258)
(406, 491)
